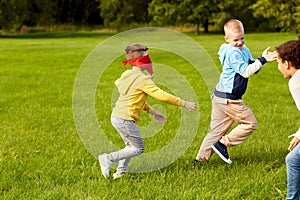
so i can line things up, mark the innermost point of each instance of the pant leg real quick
(219, 125)
(293, 173)
(122, 166)
(247, 123)
(132, 138)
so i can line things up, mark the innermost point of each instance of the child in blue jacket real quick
(227, 104)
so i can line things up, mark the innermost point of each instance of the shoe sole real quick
(103, 168)
(228, 161)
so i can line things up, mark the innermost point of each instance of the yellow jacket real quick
(134, 88)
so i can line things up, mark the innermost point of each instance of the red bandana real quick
(143, 61)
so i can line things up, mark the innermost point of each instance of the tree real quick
(199, 12)
(163, 12)
(77, 12)
(90, 8)
(267, 15)
(179, 12)
(236, 9)
(69, 11)
(283, 15)
(121, 14)
(14, 13)
(42, 12)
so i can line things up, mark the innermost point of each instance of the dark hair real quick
(290, 51)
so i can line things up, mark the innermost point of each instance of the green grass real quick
(43, 157)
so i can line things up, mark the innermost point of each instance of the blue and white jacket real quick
(238, 66)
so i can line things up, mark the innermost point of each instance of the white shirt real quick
(294, 86)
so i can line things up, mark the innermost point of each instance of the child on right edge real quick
(227, 104)
(289, 65)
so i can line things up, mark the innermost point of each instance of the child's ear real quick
(226, 38)
(287, 64)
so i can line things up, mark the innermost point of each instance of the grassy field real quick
(43, 157)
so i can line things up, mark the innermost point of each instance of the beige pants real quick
(224, 113)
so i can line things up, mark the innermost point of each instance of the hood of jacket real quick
(225, 48)
(130, 80)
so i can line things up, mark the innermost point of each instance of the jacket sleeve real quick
(252, 68)
(151, 89)
(147, 108)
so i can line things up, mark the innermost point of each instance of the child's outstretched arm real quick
(159, 94)
(155, 114)
(158, 116)
(190, 105)
(269, 56)
(258, 63)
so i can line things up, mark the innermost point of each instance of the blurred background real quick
(118, 15)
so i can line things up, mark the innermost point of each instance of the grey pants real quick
(132, 138)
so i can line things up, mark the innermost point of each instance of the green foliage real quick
(178, 13)
(198, 12)
(257, 15)
(14, 15)
(43, 157)
(236, 9)
(123, 14)
(283, 15)
(163, 12)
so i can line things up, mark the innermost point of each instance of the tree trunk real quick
(197, 27)
(205, 26)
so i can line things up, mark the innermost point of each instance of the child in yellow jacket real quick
(134, 87)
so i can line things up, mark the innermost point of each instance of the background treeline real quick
(206, 15)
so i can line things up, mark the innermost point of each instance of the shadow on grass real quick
(271, 159)
(39, 35)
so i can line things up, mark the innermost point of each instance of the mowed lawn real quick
(42, 155)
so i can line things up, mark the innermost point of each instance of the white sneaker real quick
(104, 164)
(117, 175)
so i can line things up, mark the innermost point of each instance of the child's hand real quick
(269, 56)
(190, 105)
(159, 117)
(294, 142)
